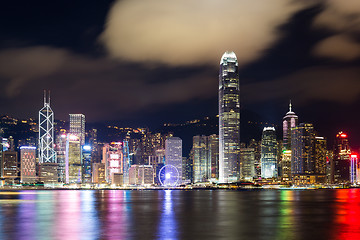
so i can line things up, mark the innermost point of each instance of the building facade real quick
(77, 126)
(28, 164)
(11, 167)
(60, 149)
(202, 161)
(73, 165)
(173, 153)
(290, 120)
(303, 150)
(247, 161)
(341, 161)
(269, 167)
(113, 159)
(86, 164)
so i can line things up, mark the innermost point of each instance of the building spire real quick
(49, 98)
(44, 97)
(290, 106)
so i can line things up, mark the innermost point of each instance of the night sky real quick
(143, 62)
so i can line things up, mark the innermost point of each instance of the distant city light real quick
(87, 148)
(73, 137)
(27, 147)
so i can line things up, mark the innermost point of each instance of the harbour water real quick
(180, 214)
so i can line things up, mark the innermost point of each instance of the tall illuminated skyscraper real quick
(289, 121)
(302, 153)
(340, 167)
(77, 126)
(229, 119)
(73, 159)
(247, 163)
(46, 133)
(202, 161)
(173, 154)
(269, 167)
(126, 162)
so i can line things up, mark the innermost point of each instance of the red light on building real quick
(354, 156)
(341, 135)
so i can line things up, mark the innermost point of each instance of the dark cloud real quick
(187, 32)
(325, 83)
(342, 18)
(99, 87)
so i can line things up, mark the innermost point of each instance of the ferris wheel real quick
(169, 176)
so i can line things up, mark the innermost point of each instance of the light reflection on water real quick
(167, 225)
(173, 214)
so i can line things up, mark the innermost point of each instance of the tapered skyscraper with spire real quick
(289, 121)
(46, 132)
(229, 119)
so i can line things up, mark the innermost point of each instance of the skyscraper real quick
(320, 156)
(73, 159)
(126, 162)
(269, 167)
(303, 145)
(289, 121)
(202, 164)
(247, 157)
(77, 126)
(229, 119)
(173, 154)
(11, 167)
(28, 164)
(354, 169)
(341, 162)
(60, 149)
(214, 156)
(286, 165)
(113, 159)
(86, 164)
(256, 145)
(46, 133)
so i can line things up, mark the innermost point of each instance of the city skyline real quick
(182, 119)
(294, 58)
